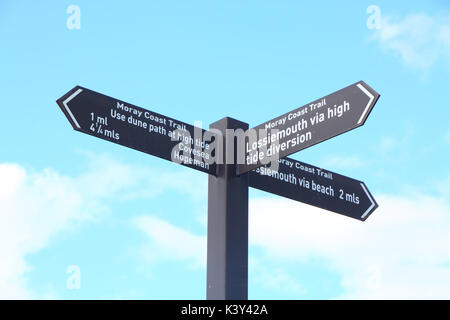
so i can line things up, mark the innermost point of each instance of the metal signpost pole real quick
(227, 254)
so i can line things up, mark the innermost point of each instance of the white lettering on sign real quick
(298, 133)
(126, 108)
(328, 190)
(299, 174)
(275, 123)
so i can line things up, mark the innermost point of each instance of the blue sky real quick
(135, 225)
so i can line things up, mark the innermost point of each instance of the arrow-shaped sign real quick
(315, 186)
(137, 128)
(308, 125)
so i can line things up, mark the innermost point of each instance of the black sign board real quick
(308, 125)
(315, 186)
(137, 128)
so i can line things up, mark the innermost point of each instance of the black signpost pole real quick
(227, 254)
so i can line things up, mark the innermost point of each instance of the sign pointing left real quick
(114, 120)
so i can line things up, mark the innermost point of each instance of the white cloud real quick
(419, 40)
(274, 279)
(106, 176)
(401, 251)
(37, 206)
(168, 242)
(33, 209)
(443, 187)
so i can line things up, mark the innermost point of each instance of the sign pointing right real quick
(308, 125)
(315, 186)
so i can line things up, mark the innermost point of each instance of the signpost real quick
(303, 127)
(137, 128)
(217, 152)
(315, 186)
